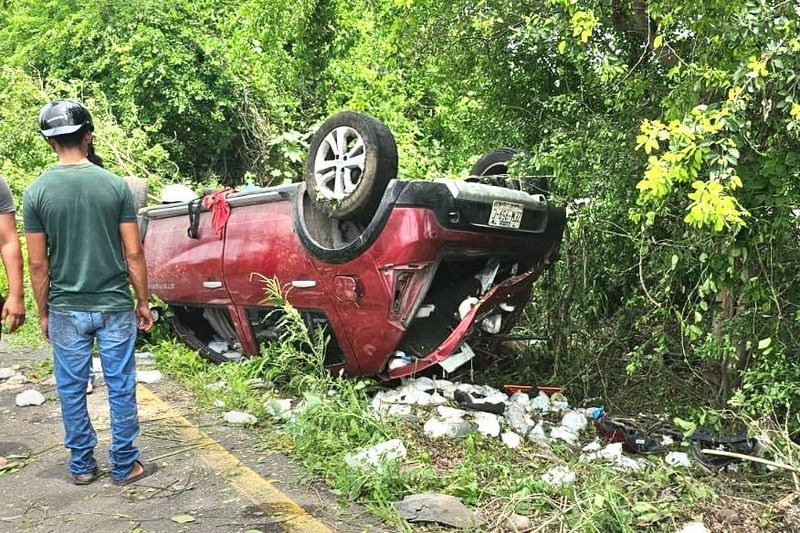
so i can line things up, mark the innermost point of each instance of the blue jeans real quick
(72, 335)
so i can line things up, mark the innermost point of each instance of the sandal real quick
(147, 469)
(84, 479)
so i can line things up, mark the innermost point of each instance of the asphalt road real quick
(218, 476)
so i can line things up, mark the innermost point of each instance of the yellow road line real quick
(275, 503)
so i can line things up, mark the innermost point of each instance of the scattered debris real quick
(511, 439)
(574, 421)
(565, 434)
(390, 450)
(239, 418)
(30, 397)
(437, 428)
(678, 459)
(438, 508)
(278, 407)
(694, 527)
(541, 402)
(450, 412)
(559, 476)
(516, 523)
(148, 376)
(400, 411)
(488, 423)
(613, 454)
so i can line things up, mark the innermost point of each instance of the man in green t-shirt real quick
(83, 248)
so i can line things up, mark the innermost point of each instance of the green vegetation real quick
(334, 419)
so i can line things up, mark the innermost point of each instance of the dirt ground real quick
(220, 476)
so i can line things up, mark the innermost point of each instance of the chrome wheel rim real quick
(339, 163)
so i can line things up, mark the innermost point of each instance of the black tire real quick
(140, 189)
(379, 167)
(493, 163)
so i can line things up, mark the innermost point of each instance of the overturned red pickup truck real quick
(404, 275)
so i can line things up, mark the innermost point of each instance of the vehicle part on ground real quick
(139, 188)
(351, 159)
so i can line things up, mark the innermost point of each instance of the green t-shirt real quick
(79, 208)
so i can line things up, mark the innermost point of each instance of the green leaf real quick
(182, 518)
(562, 46)
(674, 260)
(658, 41)
(763, 344)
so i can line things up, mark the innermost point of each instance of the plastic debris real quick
(239, 418)
(148, 376)
(511, 439)
(559, 476)
(29, 397)
(558, 402)
(593, 446)
(666, 440)
(574, 421)
(694, 527)
(437, 508)
(465, 306)
(488, 423)
(278, 407)
(218, 346)
(541, 402)
(425, 310)
(450, 412)
(491, 325)
(678, 459)
(390, 450)
(437, 428)
(565, 434)
(456, 360)
(400, 411)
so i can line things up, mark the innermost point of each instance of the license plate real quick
(505, 215)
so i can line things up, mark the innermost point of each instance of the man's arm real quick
(137, 271)
(14, 309)
(40, 274)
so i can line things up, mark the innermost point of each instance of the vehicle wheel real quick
(139, 188)
(493, 163)
(351, 159)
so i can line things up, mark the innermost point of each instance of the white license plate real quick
(505, 215)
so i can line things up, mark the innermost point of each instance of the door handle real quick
(212, 284)
(304, 283)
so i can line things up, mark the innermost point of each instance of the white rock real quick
(148, 376)
(449, 412)
(232, 355)
(437, 428)
(516, 523)
(390, 450)
(278, 407)
(574, 421)
(30, 397)
(694, 527)
(219, 404)
(7, 372)
(239, 418)
(488, 423)
(558, 476)
(541, 402)
(511, 439)
(678, 459)
(218, 385)
(565, 434)
(17, 379)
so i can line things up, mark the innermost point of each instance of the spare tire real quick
(351, 159)
(139, 188)
(493, 163)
